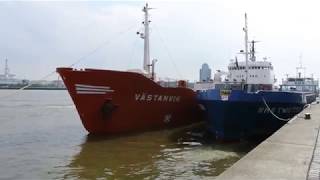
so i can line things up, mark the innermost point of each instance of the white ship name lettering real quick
(157, 98)
(279, 110)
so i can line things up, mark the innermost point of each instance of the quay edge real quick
(287, 154)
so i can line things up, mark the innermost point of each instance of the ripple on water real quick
(41, 137)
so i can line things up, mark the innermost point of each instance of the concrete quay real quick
(293, 153)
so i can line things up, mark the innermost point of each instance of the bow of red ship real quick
(114, 102)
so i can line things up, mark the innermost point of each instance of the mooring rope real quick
(168, 52)
(272, 113)
(17, 91)
(105, 43)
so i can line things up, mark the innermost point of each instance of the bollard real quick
(307, 116)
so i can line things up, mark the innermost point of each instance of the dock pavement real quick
(291, 153)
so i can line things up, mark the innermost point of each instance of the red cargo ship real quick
(114, 102)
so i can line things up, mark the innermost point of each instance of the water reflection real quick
(170, 154)
(41, 137)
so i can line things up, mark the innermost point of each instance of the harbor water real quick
(41, 137)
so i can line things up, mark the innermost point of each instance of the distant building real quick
(205, 73)
(8, 80)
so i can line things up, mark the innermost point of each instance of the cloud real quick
(44, 35)
(37, 37)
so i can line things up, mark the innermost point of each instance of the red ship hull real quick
(114, 102)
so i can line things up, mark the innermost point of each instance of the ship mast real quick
(245, 29)
(146, 55)
(147, 66)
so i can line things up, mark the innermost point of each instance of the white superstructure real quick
(251, 71)
(300, 83)
(259, 72)
(251, 74)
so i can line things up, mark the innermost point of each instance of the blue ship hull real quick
(245, 115)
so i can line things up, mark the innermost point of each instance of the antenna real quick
(300, 68)
(287, 75)
(6, 69)
(300, 60)
(245, 29)
(253, 50)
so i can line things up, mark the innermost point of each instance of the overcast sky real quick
(37, 37)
